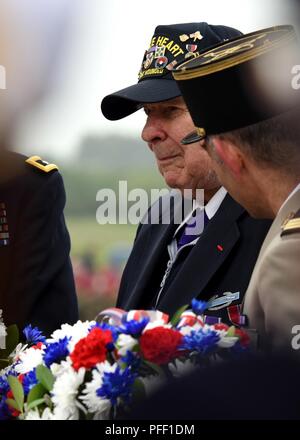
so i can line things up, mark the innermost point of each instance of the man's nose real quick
(153, 131)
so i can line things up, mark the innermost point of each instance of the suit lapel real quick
(205, 258)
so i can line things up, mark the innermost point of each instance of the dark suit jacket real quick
(253, 387)
(204, 271)
(36, 277)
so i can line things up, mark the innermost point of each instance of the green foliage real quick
(176, 318)
(139, 392)
(12, 403)
(17, 391)
(153, 368)
(35, 403)
(231, 331)
(36, 392)
(45, 377)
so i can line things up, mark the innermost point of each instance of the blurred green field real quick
(87, 236)
(106, 246)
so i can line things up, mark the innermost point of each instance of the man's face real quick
(241, 181)
(183, 167)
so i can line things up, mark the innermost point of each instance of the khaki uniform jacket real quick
(272, 300)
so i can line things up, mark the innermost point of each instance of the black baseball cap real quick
(241, 82)
(169, 46)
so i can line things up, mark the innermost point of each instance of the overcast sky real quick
(103, 53)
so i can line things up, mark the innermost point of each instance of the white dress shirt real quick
(210, 209)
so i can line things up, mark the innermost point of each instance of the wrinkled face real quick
(183, 167)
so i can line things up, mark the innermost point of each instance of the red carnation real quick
(91, 350)
(160, 345)
(38, 346)
(243, 337)
(221, 326)
(14, 412)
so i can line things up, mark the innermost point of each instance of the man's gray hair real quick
(272, 143)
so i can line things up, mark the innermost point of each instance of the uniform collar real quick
(289, 196)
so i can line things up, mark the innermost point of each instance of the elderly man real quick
(255, 148)
(167, 266)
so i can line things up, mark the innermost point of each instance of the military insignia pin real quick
(160, 52)
(161, 62)
(148, 60)
(196, 36)
(4, 234)
(191, 47)
(184, 38)
(172, 64)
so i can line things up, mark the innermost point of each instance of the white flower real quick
(28, 360)
(65, 391)
(187, 329)
(153, 383)
(158, 323)
(96, 404)
(75, 332)
(63, 367)
(34, 414)
(227, 341)
(181, 368)
(14, 355)
(125, 343)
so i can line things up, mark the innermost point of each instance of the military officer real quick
(36, 281)
(254, 144)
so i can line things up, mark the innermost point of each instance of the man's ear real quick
(230, 155)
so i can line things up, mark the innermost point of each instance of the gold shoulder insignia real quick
(37, 162)
(291, 224)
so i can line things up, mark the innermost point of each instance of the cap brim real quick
(123, 103)
(192, 138)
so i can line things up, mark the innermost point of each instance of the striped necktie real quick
(192, 228)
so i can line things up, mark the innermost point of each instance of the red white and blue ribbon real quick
(115, 315)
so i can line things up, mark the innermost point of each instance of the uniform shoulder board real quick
(37, 162)
(291, 224)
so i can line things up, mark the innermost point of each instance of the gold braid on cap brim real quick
(185, 74)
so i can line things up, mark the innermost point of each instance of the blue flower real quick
(56, 352)
(131, 360)
(5, 413)
(33, 335)
(198, 306)
(202, 341)
(29, 381)
(117, 385)
(239, 350)
(134, 327)
(4, 386)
